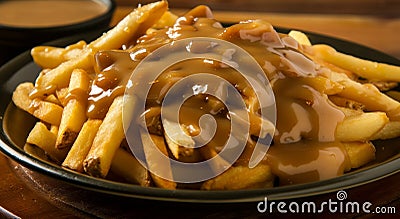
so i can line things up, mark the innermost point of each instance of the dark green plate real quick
(16, 124)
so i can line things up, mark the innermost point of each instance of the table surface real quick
(377, 32)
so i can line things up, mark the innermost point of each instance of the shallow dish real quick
(16, 124)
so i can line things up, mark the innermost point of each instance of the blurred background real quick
(384, 8)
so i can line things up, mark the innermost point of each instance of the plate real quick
(15, 125)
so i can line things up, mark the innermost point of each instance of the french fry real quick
(74, 113)
(153, 122)
(73, 117)
(348, 112)
(241, 177)
(125, 165)
(79, 83)
(359, 153)
(323, 85)
(366, 94)
(46, 111)
(43, 110)
(167, 20)
(54, 129)
(371, 98)
(364, 68)
(52, 99)
(300, 37)
(346, 103)
(51, 57)
(81, 146)
(361, 127)
(45, 139)
(20, 96)
(108, 139)
(62, 95)
(154, 164)
(182, 145)
(390, 130)
(208, 152)
(130, 28)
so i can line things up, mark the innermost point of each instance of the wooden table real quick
(17, 196)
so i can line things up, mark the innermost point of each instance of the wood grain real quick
(18, 198)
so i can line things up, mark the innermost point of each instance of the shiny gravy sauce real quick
(45, 13)
(304, 147)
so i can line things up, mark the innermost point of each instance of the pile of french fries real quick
(95, 146)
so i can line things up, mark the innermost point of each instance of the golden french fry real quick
(74, 113)
(179, 143)
(323, 84)
(208, 152)
(390, 130)
(130, 28)
(364, 68)
(167, 20)
(108, 139)
(366, 94)
(46, 111)
(62, 95)
(300, 37)
(20, 96)
(156, 165)
(371, 98)
(361, 127)
(360, 153)
(125, 165)
(79, 83)
(51, 57)
(45, 139)
(153, 121)
(54, 129)
(81, 146)
(346, 103)
(241, 177)
(73, 117)
(73, 53)
(47, 56)
(52, 99)
(59, 76)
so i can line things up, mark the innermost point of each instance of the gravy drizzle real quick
(304, 147)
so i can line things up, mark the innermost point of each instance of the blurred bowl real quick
(21, 28)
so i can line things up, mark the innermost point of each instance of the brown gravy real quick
(304, 146)
(307, 161)
(42, 13)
